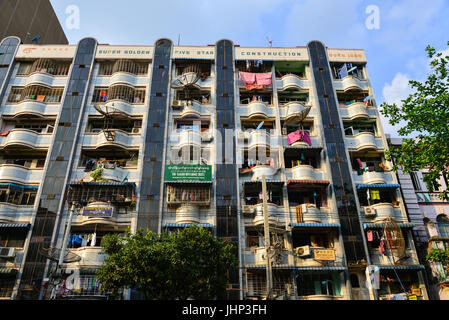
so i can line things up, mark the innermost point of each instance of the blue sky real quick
(395, 51)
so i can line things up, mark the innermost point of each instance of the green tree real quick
(425, 112)
(190, 263)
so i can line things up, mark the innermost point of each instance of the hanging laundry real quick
(382, 247)
(253, 86)
(93, 242)
(293, 137)
(374, 194)
(306, 138)
(370, 236)
(360, 162)
(263, 78)
(247, 77)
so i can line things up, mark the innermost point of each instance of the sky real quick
(394, 40)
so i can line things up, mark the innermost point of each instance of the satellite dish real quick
(54, 253)
(393, 239)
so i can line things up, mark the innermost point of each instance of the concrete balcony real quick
(31, 107)
(315, 140)
(291, 81)
(46, 79)
(312, 214)
(11, 213)
(263, 170)
(364, 141)
(258, 138)
(275, 214)
(257, 256)
(305, 172)
(188, 213)
(350, 83)
(387, 259)
(189, 138)
(383, 210)
(120, 107)
(258, 109)
(117, 174)
(124, 77)
(294, 111)
(372, 177)
(27, 138)
(20, 174)
(357, 110)
(311, 261)
(90, 256)
(122, 139)
(191, 110)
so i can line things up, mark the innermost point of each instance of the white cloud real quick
(398, 90)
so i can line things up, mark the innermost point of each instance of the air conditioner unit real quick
(247, 209)
(369, 211)
(303, 251)
(136, 130)
(7, 252)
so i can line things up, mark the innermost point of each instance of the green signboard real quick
(179, 172)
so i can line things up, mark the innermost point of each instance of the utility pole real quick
(266, 226)
(66, 236)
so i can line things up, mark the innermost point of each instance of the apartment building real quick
(103, 138)
(429, 214)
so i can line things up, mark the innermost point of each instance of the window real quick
(119, 92)
(37, 93)
(318, 284)
(188, 194)
(12, 239)
(436, 188)
(443, 226)
(415, 180)
(18, 195)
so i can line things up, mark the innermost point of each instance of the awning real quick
(278, 182)
(12, 225)
(8, 271)
(315, 225)
(103, 184)
(319, 269)
(186, 225)
(308, 182)
(276, 266)
(387, 224)
(14, 185)
(188, 182)
(401, 267)
(377, 186)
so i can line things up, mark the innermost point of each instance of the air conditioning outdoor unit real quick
(303, 251)
(247, 209)
(7, 252)
(369, 211)
(177, 103)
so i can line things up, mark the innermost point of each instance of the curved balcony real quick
(356, 110)
(191, 110)
(258, 138)
(124, 77)
(257, 109)
(26, 138)
(20, 174)
(119, 174)
(350, 83)
(295, 112)
(374, 177)
(263, 170)
(121, 107)
(292, 81)
(189, 138)
(32, 107)
(12, 213)
(273, 214)
(44, 79)
(188, 213)
(363, 141)
(121, 139)
(90, 256)
(311, 214)
(304, 172)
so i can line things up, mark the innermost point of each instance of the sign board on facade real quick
(346, 55)
(297, 54)
(194, 53)
(178, 172)
(124, 52)
(46, 51)
(97, 211)
(324, 254)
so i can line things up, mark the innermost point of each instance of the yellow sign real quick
(413, 297)
(324, 254)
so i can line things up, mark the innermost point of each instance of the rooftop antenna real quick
(270, 42)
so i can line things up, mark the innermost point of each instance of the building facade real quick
(163, 137)
(430, 215)
(29, 19)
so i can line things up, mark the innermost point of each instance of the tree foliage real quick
(190, 263)
(425, 112)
